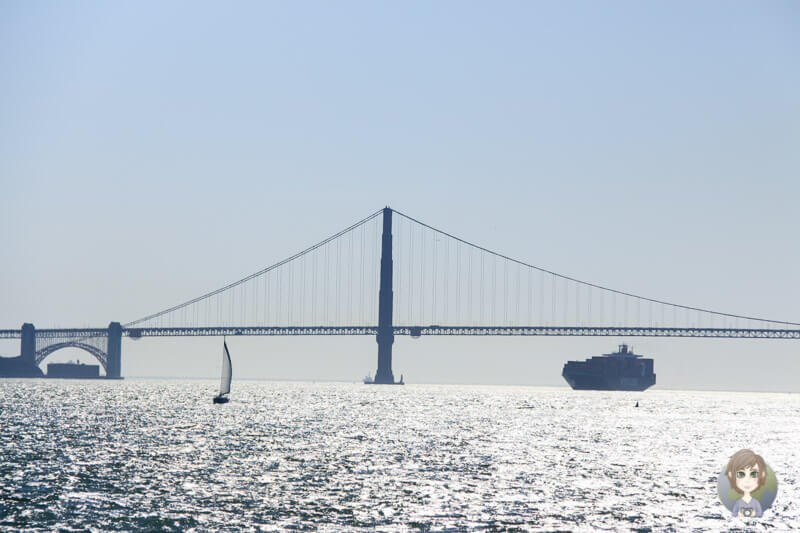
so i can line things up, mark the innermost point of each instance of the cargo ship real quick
(73, 370)
(621, 370)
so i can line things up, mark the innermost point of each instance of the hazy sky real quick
(151, 151)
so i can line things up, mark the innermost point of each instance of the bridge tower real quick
(114, 362)
(385, 335)
(28, 344)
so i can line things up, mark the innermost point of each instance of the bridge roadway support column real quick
(114, 363)
(28, 345)
(385, 335)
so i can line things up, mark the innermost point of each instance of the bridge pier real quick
(114, 361)
(24, 365)
(28, 345)
(385, 337)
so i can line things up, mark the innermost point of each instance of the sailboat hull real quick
(220, 399)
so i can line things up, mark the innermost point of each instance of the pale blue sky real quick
(152, 151)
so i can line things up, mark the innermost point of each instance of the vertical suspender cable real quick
(470, 286)
(362, 280)
(517, 292)
(482, 288)
(458, 283)
(398, 267)
(435, 283)
(530, 297)
(326, 298)
(494, 289)
(411, 275)
(351, 267)
(290, 295)
(505, 293)
(446, 278)
(422, 277)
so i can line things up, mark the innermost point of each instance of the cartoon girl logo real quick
(747, 486)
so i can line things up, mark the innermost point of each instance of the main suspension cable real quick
(256, 274)
(568, 278)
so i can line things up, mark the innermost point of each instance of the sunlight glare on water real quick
(156, 454)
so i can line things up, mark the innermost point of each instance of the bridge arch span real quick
(98, 354)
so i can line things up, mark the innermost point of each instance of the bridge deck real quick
(419, 331)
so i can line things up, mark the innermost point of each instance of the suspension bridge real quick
(427, 282)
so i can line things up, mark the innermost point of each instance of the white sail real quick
(225, 382)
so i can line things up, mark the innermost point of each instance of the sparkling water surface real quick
(158, 455)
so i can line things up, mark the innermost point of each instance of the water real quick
(156, 454)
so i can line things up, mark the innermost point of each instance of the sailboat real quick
(225, 381)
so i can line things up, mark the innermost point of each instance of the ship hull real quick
(595, 382)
